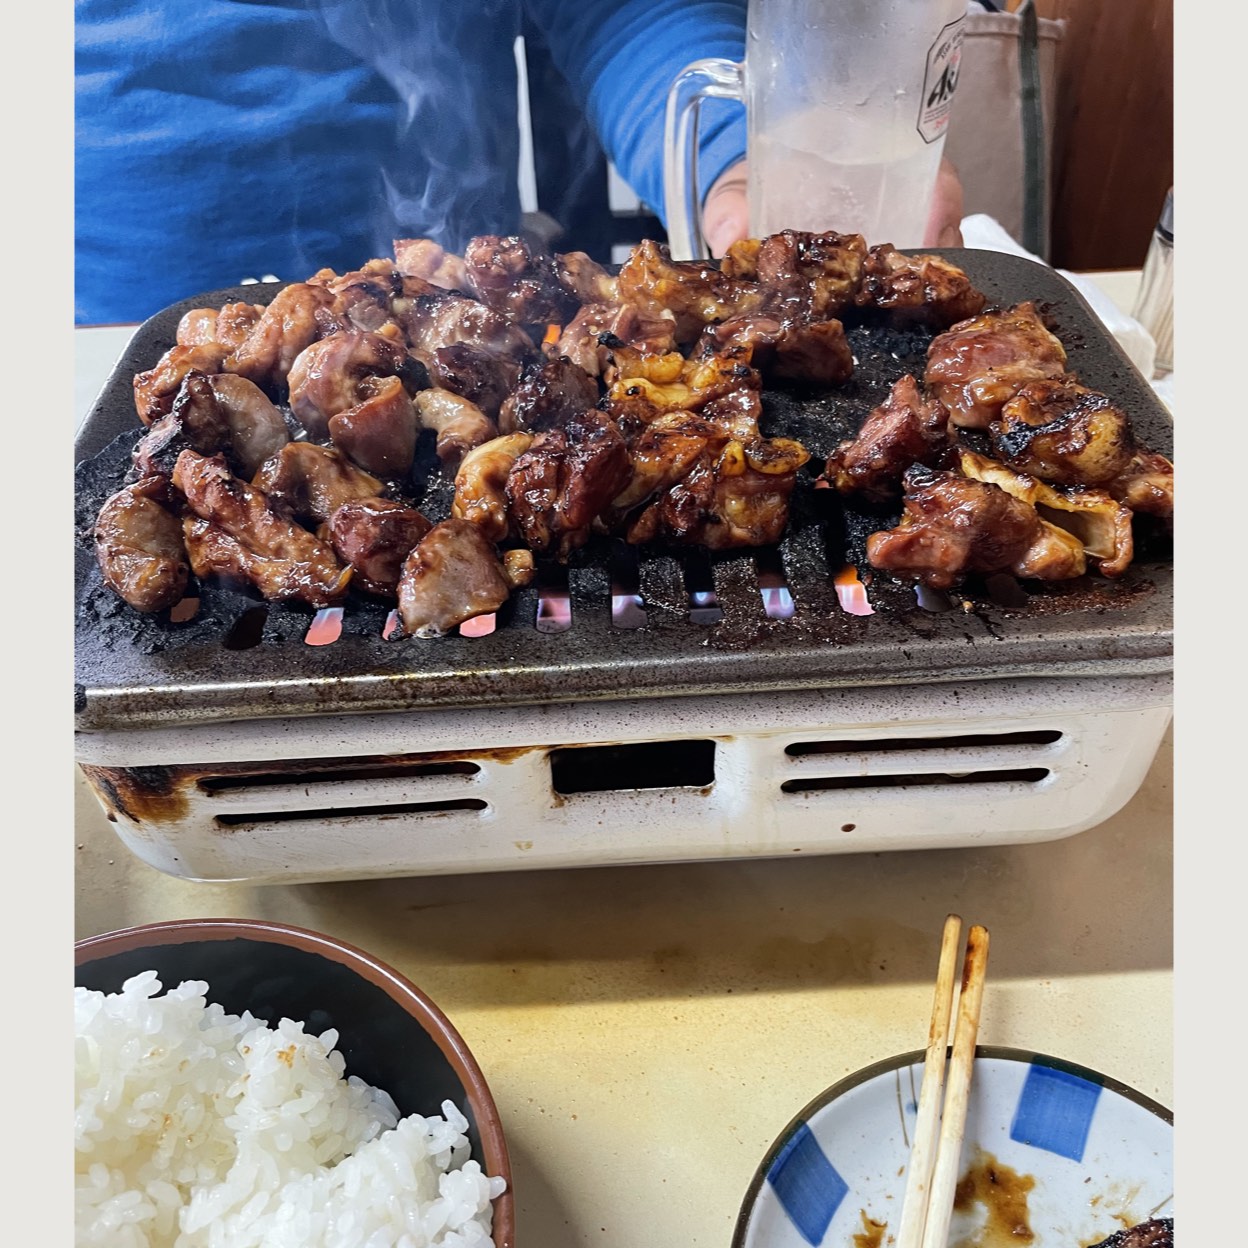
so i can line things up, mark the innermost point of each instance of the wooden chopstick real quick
(957, 1094)
(923, 1152)
(931, 1176)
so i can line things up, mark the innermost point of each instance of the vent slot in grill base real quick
(1029, 775)
(642, 765)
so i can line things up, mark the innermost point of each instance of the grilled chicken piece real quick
(806, 352)
(234, 533)
(286, 327)
(546, 396)
(452, 575)
(696, 294)
(905, 429)
(362, 298)
(379, 433)
(506, 274)
(735, 494)
(481, 484)
(156, 389)
(979, 364)
(138, 545)
(585, 278)
(568, 475)
(952, 526)
(224, 412)
(432, 317)
(485, 378)
(1063, 432)
(588, 337)
(644, 386)
(924, 289)
(1146, 484)
(227, 326)
(459, 424)
(662, 454)
(806, 275)
(423, 258)
(1102, 526)
(1155, 1233)
(375, 536)
(308, 483)
(336, 373)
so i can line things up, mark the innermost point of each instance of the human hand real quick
(725, 219)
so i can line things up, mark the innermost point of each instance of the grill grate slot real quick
(326, 627)
(1038, 736)
(1029, 775)
(640, 765)
(704, 605)
(340, 813)
(554, 603)
(628, 607)
(247, 629)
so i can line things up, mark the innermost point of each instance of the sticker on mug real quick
(940, 81)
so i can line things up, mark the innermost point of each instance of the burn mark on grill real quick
(141, 794)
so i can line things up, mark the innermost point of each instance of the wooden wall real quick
(1113, 129)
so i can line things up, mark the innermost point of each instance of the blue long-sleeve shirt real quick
(233, 138)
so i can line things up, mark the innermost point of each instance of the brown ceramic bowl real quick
(390, 1033)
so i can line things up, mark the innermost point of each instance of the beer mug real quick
(847, 103)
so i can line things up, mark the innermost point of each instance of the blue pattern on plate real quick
(1055, 1111)
(807, 1185)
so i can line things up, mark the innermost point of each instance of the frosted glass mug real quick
(847, 104)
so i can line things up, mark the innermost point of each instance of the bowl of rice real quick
(245, 1083)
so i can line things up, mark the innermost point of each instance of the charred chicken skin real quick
(1155, 1233)
(905, 429)
(924, 289)
(588, 338)
(138, 544)
(506, 274)
(546, 396)
(979, 364)
(156, 389)
(1063, 432)
(952, 526)
(565, 479)
(233, 532)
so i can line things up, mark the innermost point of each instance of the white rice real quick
(195, 1127)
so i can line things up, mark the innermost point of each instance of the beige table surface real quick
(647, 1031)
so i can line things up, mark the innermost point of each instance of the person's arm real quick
(621, 57)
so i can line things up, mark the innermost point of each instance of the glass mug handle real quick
(682, 199)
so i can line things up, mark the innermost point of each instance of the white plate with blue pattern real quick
(1077, 1156)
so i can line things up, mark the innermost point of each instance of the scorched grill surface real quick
(139, 671)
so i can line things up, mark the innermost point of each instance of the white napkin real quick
(985, 232)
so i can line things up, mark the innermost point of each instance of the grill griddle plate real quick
(138, 671)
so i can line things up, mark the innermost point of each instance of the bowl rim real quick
(900, 1061)
(398, 987)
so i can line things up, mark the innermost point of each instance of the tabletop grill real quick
(636, 705)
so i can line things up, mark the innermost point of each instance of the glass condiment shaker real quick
(1154, 308)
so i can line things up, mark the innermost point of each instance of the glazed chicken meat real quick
(291, 445)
